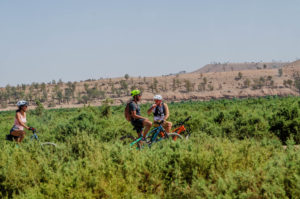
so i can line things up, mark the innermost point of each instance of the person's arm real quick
(133, 108)
(151, 109)
(135, 116)
(18, 116)
(167, 111)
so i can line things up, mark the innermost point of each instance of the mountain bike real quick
(34, 136)
(43, 144)
(155, 135)
(181, 129)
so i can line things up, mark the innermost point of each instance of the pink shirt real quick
(17, 124)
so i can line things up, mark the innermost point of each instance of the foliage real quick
(235, 151)
(39, 110)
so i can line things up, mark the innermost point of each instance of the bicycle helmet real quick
(157, 97)
(135, 93)
(22, 103)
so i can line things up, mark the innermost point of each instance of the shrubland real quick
(235, 151)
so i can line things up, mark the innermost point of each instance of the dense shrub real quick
(235, 151)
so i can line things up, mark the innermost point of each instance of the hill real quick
(282, 81)
(225, 67)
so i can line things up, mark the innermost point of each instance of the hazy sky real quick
(77, 40)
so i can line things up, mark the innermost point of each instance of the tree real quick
(106, 108)
(188, 85)
(205, 80)
(68, 94)
(43, 86)
(45, 96)
(86, 87)
(60, 82)
(3, 104)
(123, 85)
(280, 72)
(265, 66)
(297, 83)
(39, 110)
(59, 96)
(174, 85)
(23, 87)
(246, 83)
(126, 76)
(85, 99)
(155, 82)
(240, 75)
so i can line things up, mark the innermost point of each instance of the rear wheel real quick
(127, 139)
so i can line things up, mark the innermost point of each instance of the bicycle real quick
(155, 135)
(10, 137)
(181, 129)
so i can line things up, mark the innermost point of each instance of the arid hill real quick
(226, 67)
(281, 81)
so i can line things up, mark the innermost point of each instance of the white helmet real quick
(157, 97)
(22, 103)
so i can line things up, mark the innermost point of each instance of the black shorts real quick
(138, 124)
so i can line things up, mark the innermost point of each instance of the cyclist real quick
(160, 111)
(17, 131)
(137, 120)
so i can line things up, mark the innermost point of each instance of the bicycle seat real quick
(158, 123)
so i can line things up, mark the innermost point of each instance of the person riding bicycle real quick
(160, 111)
(137, 120)
(17, 131)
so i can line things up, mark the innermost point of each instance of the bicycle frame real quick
(34, 136)
(181, 128)
(153, 134)
(178, 130)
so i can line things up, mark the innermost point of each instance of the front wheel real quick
(48, 144)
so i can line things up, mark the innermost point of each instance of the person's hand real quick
(154, 105)
(32, 129)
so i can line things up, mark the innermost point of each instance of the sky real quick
(76, 40)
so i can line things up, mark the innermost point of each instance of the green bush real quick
(235, 151)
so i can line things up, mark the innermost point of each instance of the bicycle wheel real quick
(48, 144)
(174, 135)
(127, 139)
(131, 140)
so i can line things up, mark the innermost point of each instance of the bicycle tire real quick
(48, 144)
(127, 139)
(172, 135)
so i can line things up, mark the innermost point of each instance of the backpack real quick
(157, 112)
(127, 113)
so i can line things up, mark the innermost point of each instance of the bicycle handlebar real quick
(184, 121)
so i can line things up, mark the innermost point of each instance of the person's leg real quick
(147, 125)
(18, 133)
(167, 126)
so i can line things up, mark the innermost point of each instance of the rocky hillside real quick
(281, 81)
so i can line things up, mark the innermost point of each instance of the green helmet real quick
(135, 93)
